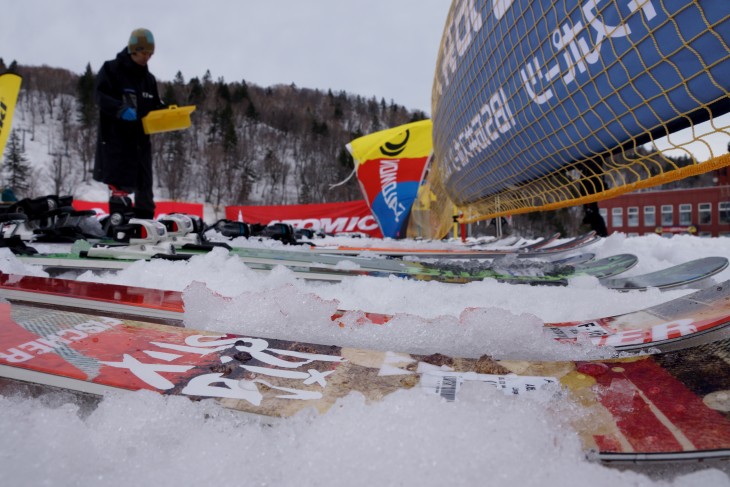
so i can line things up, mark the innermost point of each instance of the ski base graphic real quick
(660, 407)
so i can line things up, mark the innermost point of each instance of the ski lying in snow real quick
(535, 250)
(679, 275)
(157, 305)
(483, 243)
(664, 407)
(526, 270)
(522, 272)
(602, 269)
(435, 268)
(665, 326)
(180, 229)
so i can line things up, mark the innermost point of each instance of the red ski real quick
(664, 407)
(660, 326)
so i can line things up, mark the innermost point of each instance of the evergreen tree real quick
(197, 93)
(85, 92)
(319, 128)
(175, 92)
(345, 158)
(417, 116)
(169, 95)
(87, 115)
(251, 111)
(223, 92)
(228, 129)
(241, 92)
(207, 77)
(173, 166)
(17, 167)
(179, 80)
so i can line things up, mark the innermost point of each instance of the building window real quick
(649, 216)
(667, 215)
(704, 213)
(685, 214)
(604, 214)
(617, 217)
(723, 212)
(632, 216)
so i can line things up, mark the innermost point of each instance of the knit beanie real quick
(141, 40)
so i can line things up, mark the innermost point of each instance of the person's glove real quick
(129, 114)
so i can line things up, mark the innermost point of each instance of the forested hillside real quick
(248, 144)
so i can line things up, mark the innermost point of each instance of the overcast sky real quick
(381, 48)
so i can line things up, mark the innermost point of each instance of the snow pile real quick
(409, 438)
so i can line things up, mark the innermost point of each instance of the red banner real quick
(349, 216)
(162, 207)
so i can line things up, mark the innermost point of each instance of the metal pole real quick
(499, 221)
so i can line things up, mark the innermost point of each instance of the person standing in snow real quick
(126, 91)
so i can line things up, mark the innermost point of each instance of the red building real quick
(699, 211)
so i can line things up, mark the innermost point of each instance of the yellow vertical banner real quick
(9, 89)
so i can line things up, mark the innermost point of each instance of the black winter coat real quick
(123, 149)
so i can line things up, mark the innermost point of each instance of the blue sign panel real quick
(524, 88)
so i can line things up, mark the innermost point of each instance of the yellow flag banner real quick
(9, 89)
(390, 165)
(409, 141)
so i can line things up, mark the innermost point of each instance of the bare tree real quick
(60, 165)
(172, 164)
(213, 174)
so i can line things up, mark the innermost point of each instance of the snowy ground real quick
(408, 439)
